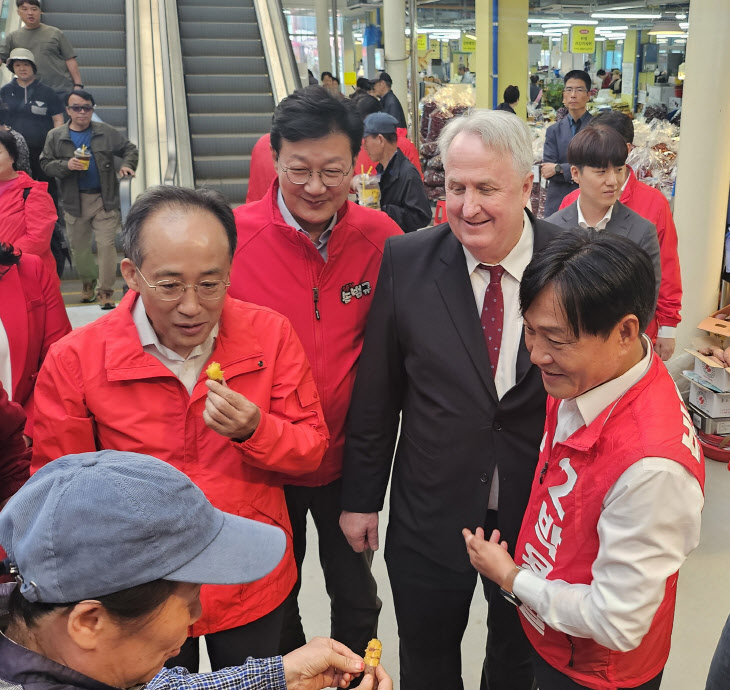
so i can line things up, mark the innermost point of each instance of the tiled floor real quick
(703, 596)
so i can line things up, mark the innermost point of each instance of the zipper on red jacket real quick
(572, 651)
(315, 291)
(543, 471)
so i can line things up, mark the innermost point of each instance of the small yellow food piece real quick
(215, 372)
(373, 652)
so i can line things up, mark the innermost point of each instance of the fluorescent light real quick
(601, 38)
(684, 25)
(604, 29)
(472, 36)
(661, 41)
(680, 16)
(670, 35)
(665, 28)
(607, 15)
(535, 33)
(580, 22)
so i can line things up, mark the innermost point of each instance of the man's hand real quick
(490, 558)
(360, 530)
(664, 347)
(547, 170)
(76, 164)
(229, 413)
(124, 171)
(321, 663)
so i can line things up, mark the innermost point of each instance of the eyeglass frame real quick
(78, 108)
(195, 286)
(575, 89)
(345, 173)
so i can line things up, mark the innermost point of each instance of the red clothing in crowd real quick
(34, 317)
(99, 389)
(280, 267)
(14, 454)
(559, 538)
(651, 204)
(363, 162)
(28, 223)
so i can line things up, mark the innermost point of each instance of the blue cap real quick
(380, 123)
(92, 524)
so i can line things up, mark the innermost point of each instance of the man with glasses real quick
(135, 380)
(312, 255)
(555, 168)
(80, 154)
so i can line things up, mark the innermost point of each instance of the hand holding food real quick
(372, 659)
(227, 412)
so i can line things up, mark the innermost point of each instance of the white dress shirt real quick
(321, 243)
(6, 373)
(514, 265)
(649, 523)
(187, 369)
(600, 225)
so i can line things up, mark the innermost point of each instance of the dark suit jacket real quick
(557, 139)
(424, 358)
(626, 223)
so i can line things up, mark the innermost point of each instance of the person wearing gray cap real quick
(391, 105)
(109, 550)
(402, 195)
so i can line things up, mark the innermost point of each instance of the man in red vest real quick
(617, 495)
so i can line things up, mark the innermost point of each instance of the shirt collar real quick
(148, 337)
(628, 178)
(594, 401)
(290, 220)
(600, 225)
(516, 261)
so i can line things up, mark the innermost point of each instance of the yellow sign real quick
(610, 45)
(564, 43)
(582, 39)
(422, 42)
(350, 78)
(435, 45)
(467, 45)
(545, 44)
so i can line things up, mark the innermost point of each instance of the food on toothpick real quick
(214, 372)
(372, 659)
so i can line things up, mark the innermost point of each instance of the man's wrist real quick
(509, 580)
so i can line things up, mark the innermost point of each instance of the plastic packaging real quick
(367, 186)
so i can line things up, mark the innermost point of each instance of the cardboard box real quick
(707, 369)
(717, 326)
(718, 427)
(707, 401)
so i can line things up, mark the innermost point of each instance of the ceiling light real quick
(666, 27)
(603, 29)
(472, 36)
(608, 15)
(535, 33)
(564, 22)
(680, 16)
(684, 25)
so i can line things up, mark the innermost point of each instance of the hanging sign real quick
(582, 39)
(422, 42)
(468, 45)
(564, 43)
(610, 45)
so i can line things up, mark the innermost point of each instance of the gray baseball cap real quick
(380, 123)
(93, 524)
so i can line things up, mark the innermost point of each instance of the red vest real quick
(559, 538)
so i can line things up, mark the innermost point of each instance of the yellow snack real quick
(215, 372)
(372, 659)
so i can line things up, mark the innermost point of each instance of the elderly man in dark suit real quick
(555, 168)
(597, 158)
(444, 349)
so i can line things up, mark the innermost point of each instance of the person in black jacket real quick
(391, 105)
(511, 96)
(402, 195)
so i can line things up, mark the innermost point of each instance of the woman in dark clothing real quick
(511, 96)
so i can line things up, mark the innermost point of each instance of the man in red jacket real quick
(309, 253)
(135, 380)
(616, 500)
(651, 204)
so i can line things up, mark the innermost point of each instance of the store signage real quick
(422, 42)
(468, 45)
(610, 45)
(582, 39)
(350, 78)
(435, 45)
(564, 43)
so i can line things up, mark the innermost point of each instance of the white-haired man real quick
(445, 348)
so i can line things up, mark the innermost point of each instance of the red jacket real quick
(34, 317)
(279, 266)
(363, 161)
(14, 454)
(651, 204)
(99, 389)
(28, 223)
(559, 538)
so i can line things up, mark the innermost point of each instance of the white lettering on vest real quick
(689, 438)
(547, 531)
(558, 492)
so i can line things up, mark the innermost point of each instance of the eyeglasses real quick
(330, 178)
(579, 89)
(173, 290)
(81, 108)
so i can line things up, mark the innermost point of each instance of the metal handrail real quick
(282, 66)
(125, 184)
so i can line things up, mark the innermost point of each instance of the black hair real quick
(168, 197)
(599, 278)
(390, 137)
(336, 80)
(511, 95)
(364, 84)
(313, 113)
(367, 105)
(7, 139)
(597, 147)
(534, 78)
(621, 122)
(35, 3)
(326, 74)
(82, 94)
(601, 73)
(9, 255)
(579, 74)
(131, 607)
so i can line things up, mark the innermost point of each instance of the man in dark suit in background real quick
(445, 348)
(555, 168)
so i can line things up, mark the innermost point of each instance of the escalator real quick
(229, 88)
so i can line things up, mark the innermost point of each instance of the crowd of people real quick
(501, 373)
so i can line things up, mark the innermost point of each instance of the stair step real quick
(215, 3)
(229, 124)
(108, 96)
(110, 76)
(204, 145)
(100, 57)
(223, 167)
(81, 7)
(223, 47)
(117, 117)
(211, 30)
(84, 22)
(227, 83)
(233, 190)
(96, 39)
(219, 15)
(224, 65)
(229, 103)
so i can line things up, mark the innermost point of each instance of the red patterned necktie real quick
(493, 313)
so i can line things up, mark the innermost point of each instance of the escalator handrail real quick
(125, 184)
(278, 50)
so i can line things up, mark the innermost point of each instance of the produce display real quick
(654, 156)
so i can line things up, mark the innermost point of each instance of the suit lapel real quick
(618, 224)
(455, 288)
